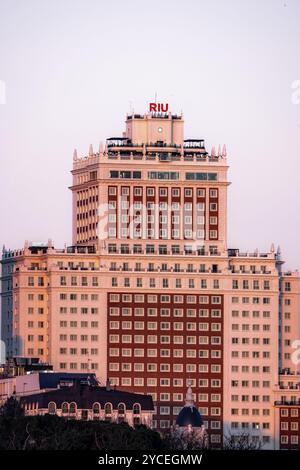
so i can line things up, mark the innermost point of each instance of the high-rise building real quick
(151, 296)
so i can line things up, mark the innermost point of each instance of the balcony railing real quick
(288, 402)
(167, 252)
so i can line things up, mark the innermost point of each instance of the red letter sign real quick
(152, 107)
(158, 107)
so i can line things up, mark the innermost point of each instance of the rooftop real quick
(85, 395)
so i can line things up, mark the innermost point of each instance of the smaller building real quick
(287, 410)
(85, 400)
(25, 381)
(189, 416)
(189, 428)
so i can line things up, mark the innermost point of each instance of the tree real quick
(55, 433)
(11, 408)
(186, 439)
(241, 441)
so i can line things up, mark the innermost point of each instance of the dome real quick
(189, 415)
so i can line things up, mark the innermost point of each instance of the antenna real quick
(131, 107)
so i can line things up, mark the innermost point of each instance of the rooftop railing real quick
(288, 402)
(167, 252)
(161, 156)
(236, 253)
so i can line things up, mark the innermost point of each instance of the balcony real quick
(118, 142)
(288, 371)
(164, 157)
(194, 144)
(288, 403)
(163, 252)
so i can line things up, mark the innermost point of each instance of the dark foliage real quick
(241, 442)
(48, 432)
(18, 432)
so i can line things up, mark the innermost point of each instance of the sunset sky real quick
(72, 70)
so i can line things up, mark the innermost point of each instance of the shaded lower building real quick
(84, 400)
(34, 382)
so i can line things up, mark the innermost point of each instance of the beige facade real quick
(150, 295)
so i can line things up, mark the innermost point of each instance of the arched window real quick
(108, 411)
(121, 412)
(73, 408)
(96, 408)
(121, 409)
(52, 408)
(108, 408)
(136, 409)
(65, 408)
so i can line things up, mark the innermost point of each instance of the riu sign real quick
(158, 107)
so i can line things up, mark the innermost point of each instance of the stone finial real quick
(219, 151)
(272, 248)
(75, 156)
(26, 244)
(49, 243)
(224, 151)
(278, 251)
(213, 151)
(189, 396)
(101, 147)
(91, 152)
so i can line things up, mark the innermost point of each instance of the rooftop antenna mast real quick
(131, 107)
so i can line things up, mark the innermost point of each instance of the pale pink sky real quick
(73, 68)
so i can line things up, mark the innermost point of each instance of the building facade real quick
(150, 295)
(78, 399)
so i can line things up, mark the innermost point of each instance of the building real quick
(150, 295)
(21, 365)
(35, 382)
(81, 399)
(189, 415)
(189, 428)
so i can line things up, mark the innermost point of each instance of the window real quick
(52, 408)
(112, 190)
(136, 409)
(287, 286)
(73, 408)
(65, 408)
(108, 409)
(121, 409)
(137, 191)
(96, 409)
